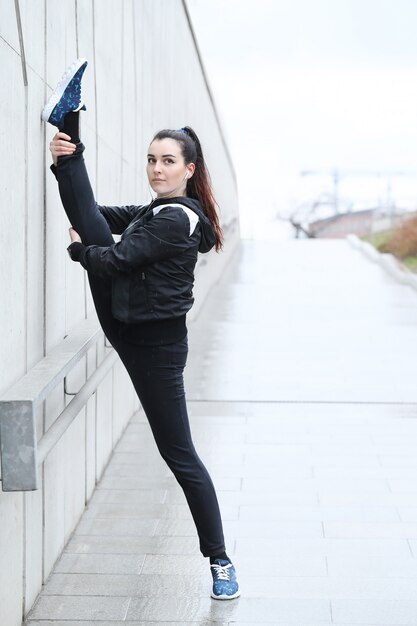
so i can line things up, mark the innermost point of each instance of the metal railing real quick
(21, 453)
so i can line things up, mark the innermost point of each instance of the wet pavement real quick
(303, 405)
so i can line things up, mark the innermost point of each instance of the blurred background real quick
(319, 105)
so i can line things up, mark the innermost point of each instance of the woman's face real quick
(166, 169)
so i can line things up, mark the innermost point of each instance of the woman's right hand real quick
(60, 146)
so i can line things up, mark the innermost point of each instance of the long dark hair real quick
(199, 185)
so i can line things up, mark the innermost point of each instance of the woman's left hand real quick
(74, 235)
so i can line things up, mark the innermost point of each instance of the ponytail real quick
(199, 185)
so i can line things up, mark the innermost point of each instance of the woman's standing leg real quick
(157, 374)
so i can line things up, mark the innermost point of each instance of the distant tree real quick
(402, 242)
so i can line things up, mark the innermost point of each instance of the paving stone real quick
(138, 482)
(92, 585)
(110, 527)
(295, 564)
(199, 623)
(266, 528)
(367, 498)
(413, 546)
(80, 608)
(131, 443)
(146, 585)
(350, 473)
(175, 528)
(352, 484)
(333, 547)
(373, 566)
(275, 484)
(156, 496)
(399, 460)
(105, 544)
(176, 564)
(381, 612)
(131, 470)
(263, 470)
(240, 610)
(371, 529)
(352, 460)
(304, 587)
(407, 484)
(130, 623)
(338, 513)
(144, 510)
(242, 528)
(100, 563)
(128, 509)
(252, 498)
(136, 459)
(388, 449)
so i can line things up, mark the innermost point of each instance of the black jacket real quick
(152, 266)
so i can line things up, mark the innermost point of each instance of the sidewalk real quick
(303, 402)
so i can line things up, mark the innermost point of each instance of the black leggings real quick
(156, 371)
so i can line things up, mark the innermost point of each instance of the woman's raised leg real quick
(81, 208)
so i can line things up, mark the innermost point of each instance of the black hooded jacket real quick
(152, 266)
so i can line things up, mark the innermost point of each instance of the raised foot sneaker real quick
(225, 585)
(67, 95)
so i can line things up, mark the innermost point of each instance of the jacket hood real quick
(208, 238)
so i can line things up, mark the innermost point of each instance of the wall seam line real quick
(22, 47)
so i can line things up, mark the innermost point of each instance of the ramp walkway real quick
(302, 393)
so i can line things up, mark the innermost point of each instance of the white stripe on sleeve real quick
(192, 216)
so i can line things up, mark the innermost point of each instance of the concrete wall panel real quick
(90, 447)
(33, 27)
(35, 168)
(33, 546)
(74, 473)
(61, 40)
(123, 400)
(54, 405)
(13, 226)
(85, 36)
(129, 117)
(56, 239)
(11, 550)
(54, 507)
(75, 379)
(104, 424)
(8, 25)
(74, 293)
(108, 65)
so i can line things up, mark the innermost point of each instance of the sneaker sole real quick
(60, 88)
(235, 595)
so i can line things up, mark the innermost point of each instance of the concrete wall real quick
(144, 74)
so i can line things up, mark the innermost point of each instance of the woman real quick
(142, 288)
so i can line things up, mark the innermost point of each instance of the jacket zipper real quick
(145, 289)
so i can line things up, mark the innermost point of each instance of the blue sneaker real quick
(225, 585)
(67, 95)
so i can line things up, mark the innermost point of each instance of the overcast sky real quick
(313, 85)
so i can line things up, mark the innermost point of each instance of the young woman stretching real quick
(142, 288)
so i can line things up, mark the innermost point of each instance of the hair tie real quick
(181, 130)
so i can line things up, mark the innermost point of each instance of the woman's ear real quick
(190, 170)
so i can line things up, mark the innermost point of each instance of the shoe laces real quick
(222, 571)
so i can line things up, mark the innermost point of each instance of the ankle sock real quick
(223, 556)
(72, 126)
